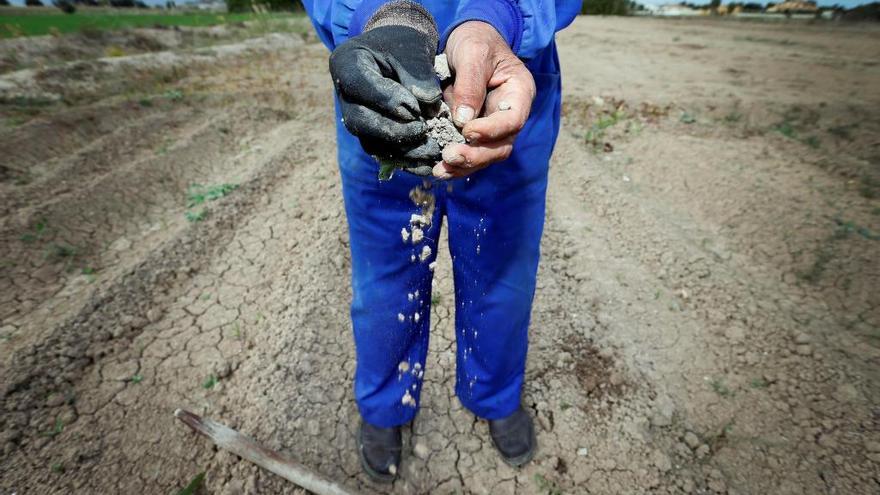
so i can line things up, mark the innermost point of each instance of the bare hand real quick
(492, 84)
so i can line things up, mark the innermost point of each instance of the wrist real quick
(468, 33)
(372, 14)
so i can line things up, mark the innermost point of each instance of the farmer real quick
(505, 98)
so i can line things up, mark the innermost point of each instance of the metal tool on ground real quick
(232, 441)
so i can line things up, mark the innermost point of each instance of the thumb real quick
(472, 73)
(425, 87)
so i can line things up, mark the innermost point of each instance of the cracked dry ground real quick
(704, 321)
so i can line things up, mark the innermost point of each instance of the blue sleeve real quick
(331, 19)
(527, 25)
(337, 20)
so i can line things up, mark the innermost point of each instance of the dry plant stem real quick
(230, 440)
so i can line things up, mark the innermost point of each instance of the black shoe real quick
(379, 451)
(514, 437)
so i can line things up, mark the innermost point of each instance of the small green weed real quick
(136, 379)
(57, 467)
(210, 382)
(35, 232)
(193, 485)
(786, 129)
(733, 117)
(173, 95)
(436, 299)
(55, 431)
(114, 51)
(196, 216)
(720, 388)
(845, 228)
(594, 137)
(813, 142)
(759, 383)
(198, 194)
(546, 486)
(61, 251)
(687, 118)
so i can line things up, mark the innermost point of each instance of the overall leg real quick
(391, 285)
(496, 219)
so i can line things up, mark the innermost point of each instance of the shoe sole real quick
(372, 473)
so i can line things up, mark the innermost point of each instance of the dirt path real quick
(705, 320)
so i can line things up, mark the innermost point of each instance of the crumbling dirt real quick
(705, 319)
(442, 129)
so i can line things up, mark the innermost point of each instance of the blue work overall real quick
(495, 219)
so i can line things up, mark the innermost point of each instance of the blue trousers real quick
(495, 220)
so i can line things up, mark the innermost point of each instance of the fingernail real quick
(464, 114)
(471, 137)
(451, 157)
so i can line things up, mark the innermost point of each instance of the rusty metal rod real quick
(228, 439)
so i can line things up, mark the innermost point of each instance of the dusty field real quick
(707, 319)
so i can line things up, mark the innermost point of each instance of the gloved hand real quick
(387, 87)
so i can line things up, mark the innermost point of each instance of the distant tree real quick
(634, 6)
(122, 4)
(4, 3)
(141, 5)
(239, 6)
(262, 5)
(170, 4)
(714, 4)
(33, 3)
(65, 5)
(605, 7)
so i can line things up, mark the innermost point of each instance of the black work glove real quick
(387, 87)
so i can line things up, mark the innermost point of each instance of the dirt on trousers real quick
(706, 319)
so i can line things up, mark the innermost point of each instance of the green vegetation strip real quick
(12, 26)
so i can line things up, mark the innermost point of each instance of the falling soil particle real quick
(404, 234)
(401, 318)
(403, 367)
(426, 253)
(424, 199)
(417, 235)
(419, 220)
(408, 400)
(416, 317)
